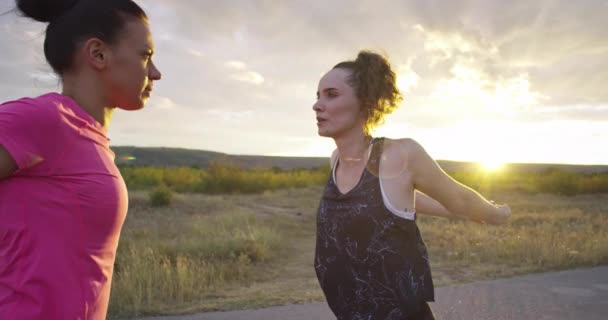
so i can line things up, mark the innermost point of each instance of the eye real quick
(147, 55)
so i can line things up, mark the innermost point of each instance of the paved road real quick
(565, 295)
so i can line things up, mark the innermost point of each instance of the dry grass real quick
(226, 252)
(546, 232)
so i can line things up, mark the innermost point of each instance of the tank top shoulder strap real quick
(374, 158)
(374, 168)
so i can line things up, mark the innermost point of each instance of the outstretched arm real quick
(429, 206)
(456, 198)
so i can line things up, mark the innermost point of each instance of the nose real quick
(317, 106)
(153, 72)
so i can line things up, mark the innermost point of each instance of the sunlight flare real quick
(492, 165)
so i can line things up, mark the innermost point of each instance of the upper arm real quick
(7, 164)
(429, 178)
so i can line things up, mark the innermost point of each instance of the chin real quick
(132, 107)
(325, 134)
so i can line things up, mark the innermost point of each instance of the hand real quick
(503, 213)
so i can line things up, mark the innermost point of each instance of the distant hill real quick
(177, 157)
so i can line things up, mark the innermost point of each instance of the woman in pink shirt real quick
(62, 199)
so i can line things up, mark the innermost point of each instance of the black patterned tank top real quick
(371, 264)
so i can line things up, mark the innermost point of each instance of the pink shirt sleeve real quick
(28, 131)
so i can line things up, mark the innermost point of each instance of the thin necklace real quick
(371, 140)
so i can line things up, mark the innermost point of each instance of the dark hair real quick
(374, 83)
(74, 21)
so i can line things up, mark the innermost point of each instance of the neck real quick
(89, 98)
(353, 148)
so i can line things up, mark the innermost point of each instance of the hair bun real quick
(375, 61)
(45, 10)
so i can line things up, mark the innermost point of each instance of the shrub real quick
(161, 196)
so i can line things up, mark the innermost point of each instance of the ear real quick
(96, 53)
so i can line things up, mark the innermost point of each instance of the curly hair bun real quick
(374, 63)
(375, 84)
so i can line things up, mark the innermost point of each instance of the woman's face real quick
(337, 108)
(131, 70)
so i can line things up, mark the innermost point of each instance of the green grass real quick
(220, 178)
(224, 178)
(551, 180)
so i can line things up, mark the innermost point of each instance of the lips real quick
(147, 91)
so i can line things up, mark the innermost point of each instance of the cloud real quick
(230, 116)
(258, 62)
(237, 65)
(242, 73)
(162, 103)
(561, 45)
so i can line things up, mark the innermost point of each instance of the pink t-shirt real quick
(60, 214)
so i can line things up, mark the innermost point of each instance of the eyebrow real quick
(327, 90)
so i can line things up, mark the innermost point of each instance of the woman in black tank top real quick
(370, 259)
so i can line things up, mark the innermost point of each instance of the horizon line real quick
(323, 157)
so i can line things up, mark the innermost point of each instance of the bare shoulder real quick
(398, 154)
(405, 149)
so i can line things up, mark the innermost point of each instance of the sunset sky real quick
(512, 81)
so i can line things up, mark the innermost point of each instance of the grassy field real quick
(227, 178)
(221, 252)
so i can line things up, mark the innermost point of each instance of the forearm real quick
(429, 206)
(475, 207)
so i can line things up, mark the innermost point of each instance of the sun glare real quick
(491, 164)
